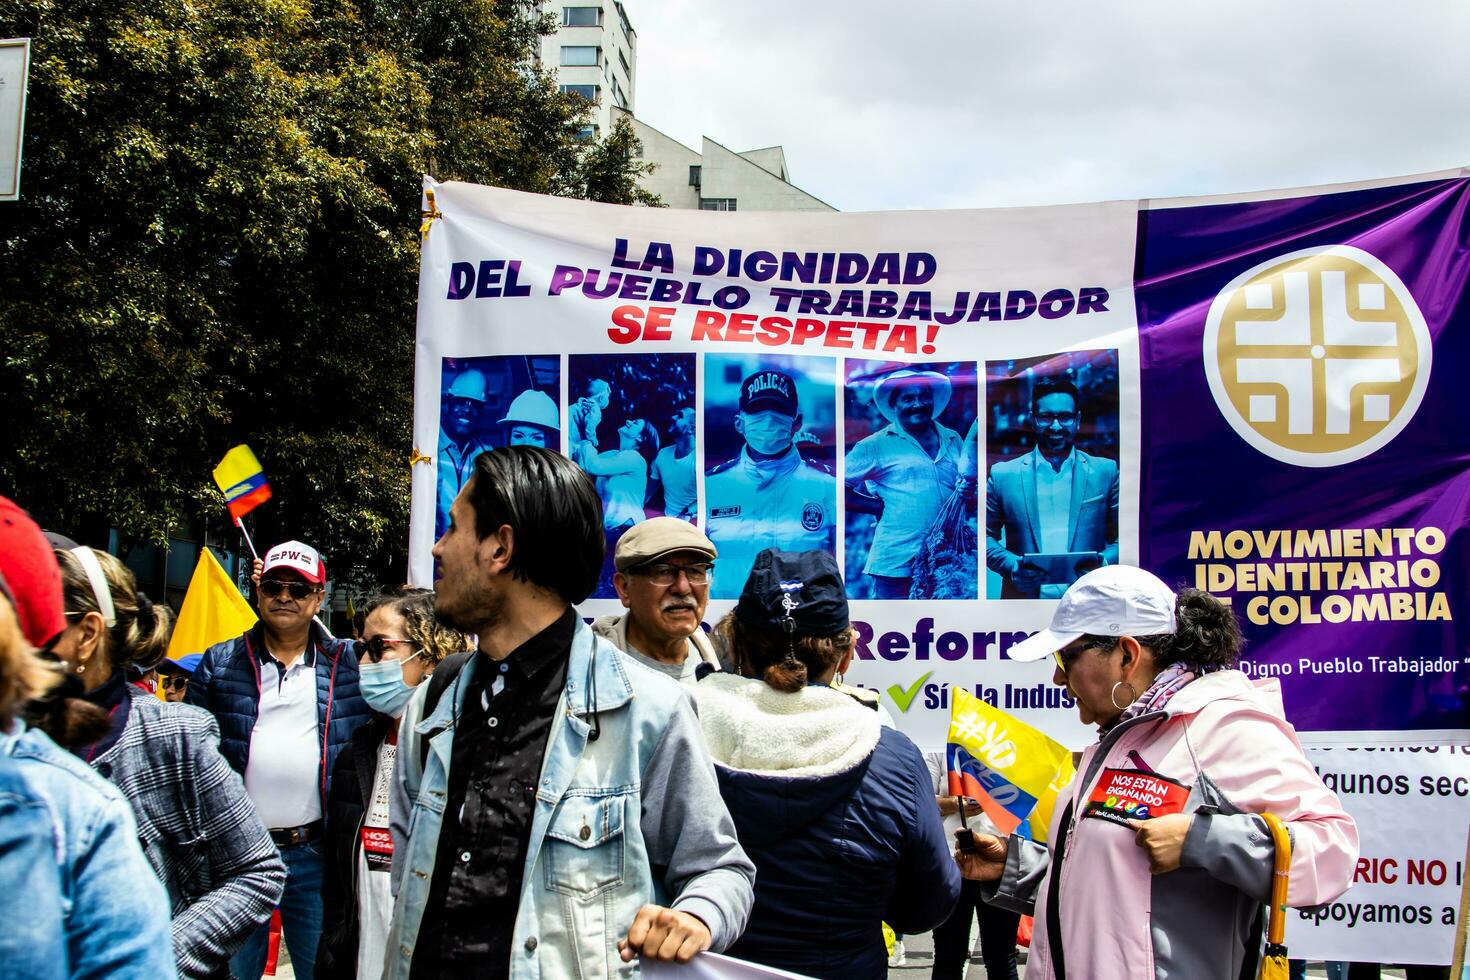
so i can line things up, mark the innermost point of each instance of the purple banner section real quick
(1306, 441)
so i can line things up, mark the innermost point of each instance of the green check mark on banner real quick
(903, 697)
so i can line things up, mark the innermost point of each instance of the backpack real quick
(441, 678)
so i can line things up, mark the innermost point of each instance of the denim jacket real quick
(96, 909)
(630, 818)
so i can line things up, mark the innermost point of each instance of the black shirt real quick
(499, 743)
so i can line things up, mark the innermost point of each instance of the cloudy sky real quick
(984, 104)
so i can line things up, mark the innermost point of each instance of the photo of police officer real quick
(905, 428)
(487, 402)
(1051, 496)
(629, 429)
(770, 425)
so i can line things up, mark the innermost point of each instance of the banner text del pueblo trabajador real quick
(829, 300)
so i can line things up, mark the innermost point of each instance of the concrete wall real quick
(671, 180)
(727, 174)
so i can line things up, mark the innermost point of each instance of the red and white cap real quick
(300, 558)
(1110, 601)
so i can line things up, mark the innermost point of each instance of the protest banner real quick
(1410, 804)
(1257, 395)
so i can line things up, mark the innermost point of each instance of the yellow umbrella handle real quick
(1276, 926)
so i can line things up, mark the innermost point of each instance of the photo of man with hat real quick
(769, 494)
(910, 466)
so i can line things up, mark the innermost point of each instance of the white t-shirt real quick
(374, 864)
(677, 474)
(285, 747)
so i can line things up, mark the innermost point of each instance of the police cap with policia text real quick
(769, 391)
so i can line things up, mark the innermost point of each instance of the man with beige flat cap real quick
(663, 570)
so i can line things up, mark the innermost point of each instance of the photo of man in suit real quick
(1054, 500)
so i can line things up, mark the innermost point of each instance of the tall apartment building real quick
(594, 54)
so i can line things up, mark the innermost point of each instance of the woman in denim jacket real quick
(199, 830)
(83, 901)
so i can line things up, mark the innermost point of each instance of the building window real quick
(588, 92)
(587, 133)
(624, 59)
(577, 54)
(694, 170)
(581, 16)
(716, 203)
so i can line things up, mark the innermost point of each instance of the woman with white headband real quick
(198, 828)
(1158, 861)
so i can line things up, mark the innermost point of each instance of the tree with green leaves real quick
(217, 242)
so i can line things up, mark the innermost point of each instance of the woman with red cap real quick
(83, 901)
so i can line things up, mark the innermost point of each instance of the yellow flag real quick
(1013, 770)
(214, 610)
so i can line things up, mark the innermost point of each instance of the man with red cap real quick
(286, 697)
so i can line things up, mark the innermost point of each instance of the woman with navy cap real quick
(836, 811)
(1158, 862)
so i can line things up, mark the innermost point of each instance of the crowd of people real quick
(482, 784)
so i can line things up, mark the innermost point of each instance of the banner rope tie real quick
(417, 457)
(428, 216)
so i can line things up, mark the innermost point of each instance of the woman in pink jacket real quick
(1159, 864)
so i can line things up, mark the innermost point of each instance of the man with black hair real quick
(563, 810)
(1055, 500)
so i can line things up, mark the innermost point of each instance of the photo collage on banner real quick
(913, 496)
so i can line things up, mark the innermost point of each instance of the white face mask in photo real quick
(768, 432)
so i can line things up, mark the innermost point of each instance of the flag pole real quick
(240, 523)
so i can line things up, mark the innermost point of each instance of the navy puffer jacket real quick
(226, 683)
(838, 815)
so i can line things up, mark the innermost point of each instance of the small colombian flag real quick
(240, 478)
(1012, 769)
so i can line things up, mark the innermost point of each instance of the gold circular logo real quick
(1318, 357)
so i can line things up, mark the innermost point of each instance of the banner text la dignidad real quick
(870, 309)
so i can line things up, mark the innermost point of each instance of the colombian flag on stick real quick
(1013, 770)
(240, 478)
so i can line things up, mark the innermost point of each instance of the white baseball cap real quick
(1115, 600)
(300, 558)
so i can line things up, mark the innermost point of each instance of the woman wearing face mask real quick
(198, 828)
(1158, 862)
(401, 645)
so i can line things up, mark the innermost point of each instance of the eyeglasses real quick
(173, 683)
(375, 648)
(665, 575)
(273, 587)
(1048, 418)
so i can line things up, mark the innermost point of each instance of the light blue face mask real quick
(383, 687)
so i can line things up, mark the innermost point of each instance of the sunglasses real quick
(271, 588)
(173, 683)
(1067, 657)
(375, 648)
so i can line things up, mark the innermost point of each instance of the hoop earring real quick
(838, 677)
(1113, 695)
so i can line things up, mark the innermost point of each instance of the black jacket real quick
(351, 787)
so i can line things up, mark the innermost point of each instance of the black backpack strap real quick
(441, 678)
